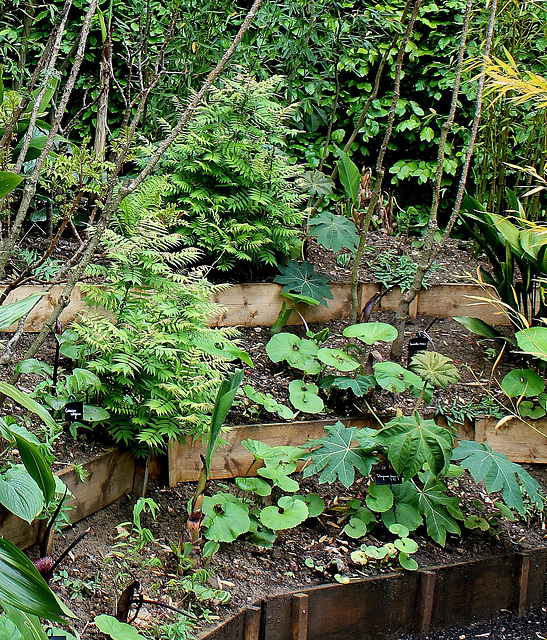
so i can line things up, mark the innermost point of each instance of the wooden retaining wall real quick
(252, 305)
(112, 475)
(394, 604)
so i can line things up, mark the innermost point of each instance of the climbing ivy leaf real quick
(498, 473)
(411, 441)
(337, 456)
(334, 231)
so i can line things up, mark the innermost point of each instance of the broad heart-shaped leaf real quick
(316, 504)
(95, 414)
(338, 455)
(287, 346)
(302, 279)
(379, 498)
(349, 177)
(434, 368)
(522, 382)
(254, 485)
(279, 477)
(22, 587)
(392, 377)
(533, 341)
(8, 182)
(273, 456)
(10, 313)
(226, 517)
(498, 473)
(360, 523)
(115, 629)
(371, 332)
(304, 396)
(36, 465)
(20, 494)
(360, 385)
(438, 509)
(410, 441)
(405, 509)
(334, 232)
(289, 513)
(338, 359)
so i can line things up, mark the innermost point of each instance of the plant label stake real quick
(388, 476)
(74, 411)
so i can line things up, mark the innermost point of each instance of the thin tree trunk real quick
(380, 170)
(114, 198)
(431, 250)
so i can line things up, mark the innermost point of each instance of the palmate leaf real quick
(316, 183)
(410, 441)
(334, 232)
(338, 455)
(438, 508)
(405, 509)
(301, 278)
(498, 473)
(435, 368)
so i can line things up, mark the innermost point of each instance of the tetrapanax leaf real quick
(434, 368)
(405, 509)
(316, 183)
(410, 441)
(301, 278)
(438, 509)
(338, 455)
(498, 473)
(334, 232)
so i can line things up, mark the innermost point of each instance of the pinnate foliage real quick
(160, 363)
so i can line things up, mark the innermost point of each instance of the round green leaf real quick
(338, 359)
(288, 513)
(116, 629)
(406, 545)
(371, 332)
(226, 517)
(355, 528)
(522, 382)
(281, 346)
(399, 530)
(379, 498)
(304, 397)
(407, 563)
(316, 504)
(359, 556)
(254, 485)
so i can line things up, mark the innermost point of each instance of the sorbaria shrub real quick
(237, 189)
(159, 362)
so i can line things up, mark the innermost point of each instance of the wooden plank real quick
(471, 591)
(231, 629)
(44, 307)
(521, 579)
(519, 441)
(140, 478)
(537, 577)
(233, 459)
(299, 614)
(253, 616)
(110, 477)
(425, 601)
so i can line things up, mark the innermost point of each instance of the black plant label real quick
(74, 411)
(417, 344)
(387, 476)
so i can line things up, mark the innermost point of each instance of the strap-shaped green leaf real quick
(10, 313)
(28, 403)
(37, 466)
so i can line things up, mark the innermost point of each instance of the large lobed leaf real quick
(334, 231)
(498, 473)
(338, 455)
(434, 368)
(301, 278)
(439, 509)
(411, 441)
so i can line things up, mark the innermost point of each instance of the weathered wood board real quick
(111, 476)
(233, 459)
(519, 441)
(388, 606)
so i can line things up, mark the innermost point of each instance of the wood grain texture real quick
(111, 476)
(233, 459)
(519, 441)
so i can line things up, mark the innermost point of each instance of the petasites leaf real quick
(533, 341)
(301, 278)
(338, 455)
(337, 359)
(410, 441)
(439, 509)
(522, 382)
(226, 517)
(289, 513)
(371, 332)
(392, 377)
(115, 629)
(498, 473)
(334, 231)
(405, 509)
(434, 368)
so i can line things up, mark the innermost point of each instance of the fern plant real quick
(159, 362)
(236, 186)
